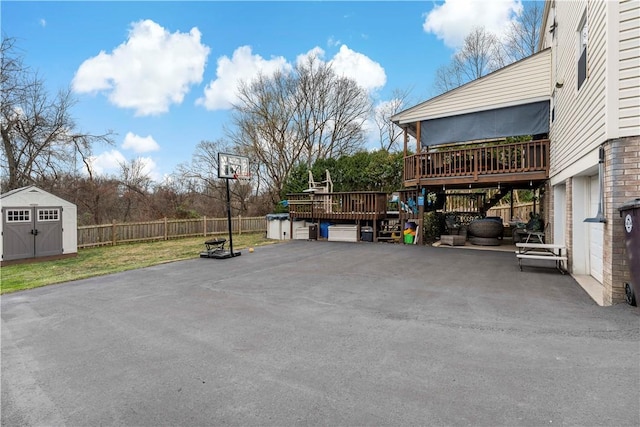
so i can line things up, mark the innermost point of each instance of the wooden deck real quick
(352, 206)
(479, 165)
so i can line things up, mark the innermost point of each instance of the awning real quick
(526, 119)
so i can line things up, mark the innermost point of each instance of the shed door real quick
(18, 241)
(31, 232)
(48, 222)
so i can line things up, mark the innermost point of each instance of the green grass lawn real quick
(110, 259)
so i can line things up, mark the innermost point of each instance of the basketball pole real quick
(229, 218)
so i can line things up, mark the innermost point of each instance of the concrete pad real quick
(321, 333)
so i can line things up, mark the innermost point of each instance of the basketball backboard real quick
(232, 166)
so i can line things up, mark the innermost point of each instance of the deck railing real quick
(479, 160)
(348, 206)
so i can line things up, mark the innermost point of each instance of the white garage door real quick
(596, 233)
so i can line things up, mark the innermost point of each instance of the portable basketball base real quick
(214, 248)
(219, 255)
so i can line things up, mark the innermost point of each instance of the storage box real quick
(343, 233)
(301, 233)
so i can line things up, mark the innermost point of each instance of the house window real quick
(18, 215)
(583, 41)
(48, 214)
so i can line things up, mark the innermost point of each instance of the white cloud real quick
(42, 22)
(107, 163)
(452, 20)
(150, 71)
(317, 53)
(369, 74)
(221, 93)
(332, 42)
(139, 144)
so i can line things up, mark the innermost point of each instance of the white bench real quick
(542, 251)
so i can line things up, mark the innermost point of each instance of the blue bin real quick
(324, 229)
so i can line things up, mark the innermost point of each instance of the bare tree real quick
(331, 111)
(480, 54)
(390, 134)
(521, 39)
(448, 77)
(134, 188)
(265, 128)
(482, 51)
(39, 137)
(286, 119)
(202, 177)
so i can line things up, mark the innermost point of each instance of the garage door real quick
(596, 233)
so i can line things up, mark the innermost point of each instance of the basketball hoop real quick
(233, 166)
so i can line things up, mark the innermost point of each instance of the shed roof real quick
(31, 195)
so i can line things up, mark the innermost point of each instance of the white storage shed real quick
(278, 226)
(37, 224)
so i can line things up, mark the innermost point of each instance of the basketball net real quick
(243, 177)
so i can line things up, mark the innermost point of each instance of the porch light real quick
(599, 215)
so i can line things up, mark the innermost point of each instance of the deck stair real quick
(503, 190)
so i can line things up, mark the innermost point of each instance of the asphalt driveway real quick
(321, 333)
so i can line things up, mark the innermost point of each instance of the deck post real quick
(420, 218)
(406, 142)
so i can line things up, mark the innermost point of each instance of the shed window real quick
(48, 214)
(18, 215)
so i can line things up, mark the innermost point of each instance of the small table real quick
(452, 240)
(544, 251)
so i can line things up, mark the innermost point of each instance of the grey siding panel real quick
(580, 124)
(629, 77)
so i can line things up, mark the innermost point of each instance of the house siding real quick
(628, 60)
(579, 128)
(524, 81)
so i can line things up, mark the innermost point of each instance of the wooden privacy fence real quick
(520, 211)
(165, 229)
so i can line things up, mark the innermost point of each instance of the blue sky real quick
(161, 75)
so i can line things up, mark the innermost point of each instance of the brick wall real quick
(621, 183)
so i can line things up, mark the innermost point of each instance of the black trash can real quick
(630, 213)
(366, 234)
(313, 232)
